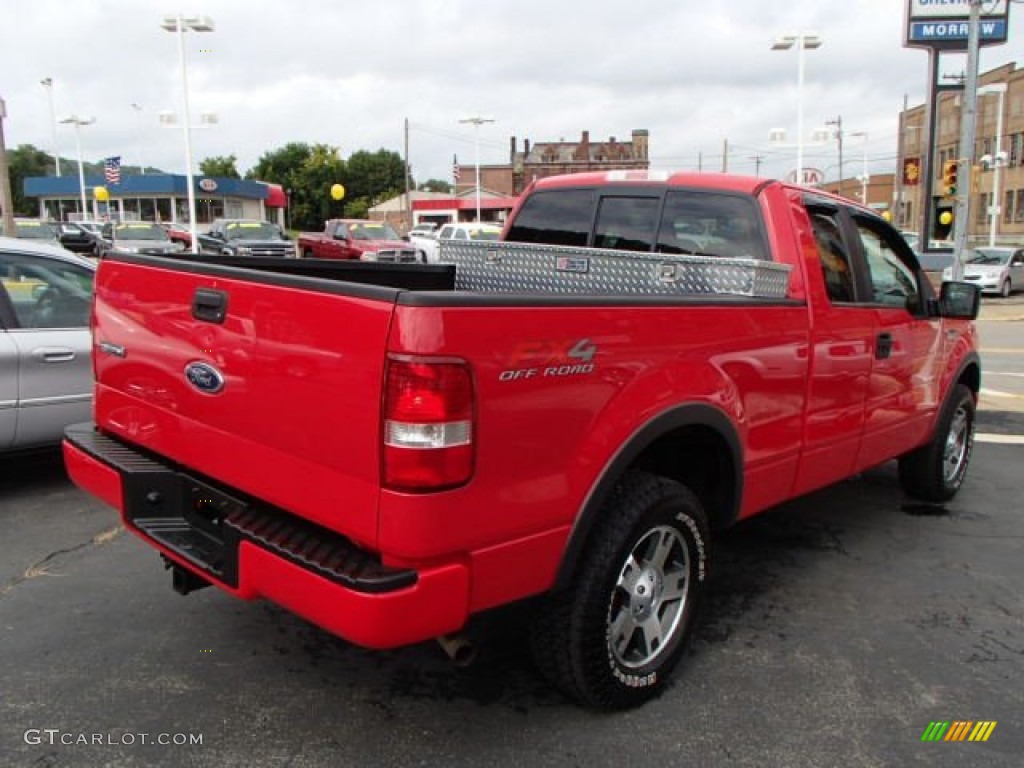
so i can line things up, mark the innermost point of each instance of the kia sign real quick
(944, 24)
(208, 185)
(812, 177)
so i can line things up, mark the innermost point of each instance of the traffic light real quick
(950, 171)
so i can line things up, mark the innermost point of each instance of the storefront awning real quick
(276, 197)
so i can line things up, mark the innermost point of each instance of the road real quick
(838, 627)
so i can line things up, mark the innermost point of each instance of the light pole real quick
(477, 122)
(178, 24)
(6, 199)
(864, 177)
(78, 122)
(838, 123)
(47, 83)
(996, 161)
(802, 41)
(138, 131)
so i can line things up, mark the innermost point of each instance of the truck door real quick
(903, 389)
(842, 337)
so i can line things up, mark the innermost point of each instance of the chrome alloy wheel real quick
(958, 442)
(649, 598)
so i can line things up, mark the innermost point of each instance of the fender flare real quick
(677, 417)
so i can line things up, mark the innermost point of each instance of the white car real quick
(464, 231)
(45, 345)
(994, 270)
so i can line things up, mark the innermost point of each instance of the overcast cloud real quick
(349, 72)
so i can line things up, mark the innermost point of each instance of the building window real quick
(982, 213)
(1019, 212)
(1008, 207)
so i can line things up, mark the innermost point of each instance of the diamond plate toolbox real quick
(500, 267)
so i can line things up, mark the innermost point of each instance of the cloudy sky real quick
(349, 73)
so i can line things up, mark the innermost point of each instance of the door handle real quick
(53, 354)
(883, 346)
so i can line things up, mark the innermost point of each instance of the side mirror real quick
(959, 300)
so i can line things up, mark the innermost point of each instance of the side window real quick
(460, 234)
(834, 258)
(446, 233)
(892, 282)
(46, 293)
(554, 217)
(341, 232)
(711, 224)
(626, 223)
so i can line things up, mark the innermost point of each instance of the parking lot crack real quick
(39, 568)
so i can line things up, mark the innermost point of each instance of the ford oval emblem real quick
(204, 377)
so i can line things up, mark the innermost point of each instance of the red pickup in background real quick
(358, 239)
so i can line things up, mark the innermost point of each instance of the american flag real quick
(455, 168)
(112, 170)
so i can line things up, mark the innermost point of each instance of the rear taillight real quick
(428, 424)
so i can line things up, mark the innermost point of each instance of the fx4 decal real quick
(550, 358)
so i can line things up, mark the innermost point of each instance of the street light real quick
(477, 122)
(864, 177)
(179, 24)
(78, 122)
(47, 83)
(138, 131)
(802, 41)
(996, 161)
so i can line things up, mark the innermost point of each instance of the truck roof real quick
(727, 182)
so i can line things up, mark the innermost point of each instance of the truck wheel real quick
(936, 470)
(611, 640)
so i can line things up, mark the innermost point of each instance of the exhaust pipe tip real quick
(458, 648)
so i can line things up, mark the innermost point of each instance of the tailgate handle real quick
(210, 305)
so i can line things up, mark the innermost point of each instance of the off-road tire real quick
(935, 471)
(581, 637)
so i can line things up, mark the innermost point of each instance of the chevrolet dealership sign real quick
(943, 24)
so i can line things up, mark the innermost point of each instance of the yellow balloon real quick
(945, 218)
(101, 194)
(887, 215)
(337, 191)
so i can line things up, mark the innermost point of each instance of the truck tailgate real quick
(270, 384)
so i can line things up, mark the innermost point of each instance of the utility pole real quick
(838, 123)
(961, 219)
(725, 155)
(901, 141)
(758, 159)
(408, 202)
(6, 200)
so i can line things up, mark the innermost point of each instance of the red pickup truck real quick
(360, 239)
(568, 415)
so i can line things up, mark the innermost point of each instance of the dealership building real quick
(158, 197)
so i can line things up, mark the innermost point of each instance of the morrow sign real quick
(943, 24)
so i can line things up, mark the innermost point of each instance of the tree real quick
(220, 165)
(436, 185)
(307, 173)
(23, 162)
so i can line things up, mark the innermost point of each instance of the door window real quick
(834, 258)
(893, 283)
(46, 293)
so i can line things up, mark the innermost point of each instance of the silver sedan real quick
(45, 370)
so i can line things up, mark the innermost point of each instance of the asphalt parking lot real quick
(839, 627)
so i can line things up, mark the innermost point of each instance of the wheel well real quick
(700, 458)
(970, 377)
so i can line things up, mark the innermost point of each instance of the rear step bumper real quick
(251, 549)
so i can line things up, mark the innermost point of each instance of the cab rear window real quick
(558, 217)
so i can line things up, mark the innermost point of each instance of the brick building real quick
(536, 161)
(981, 179)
